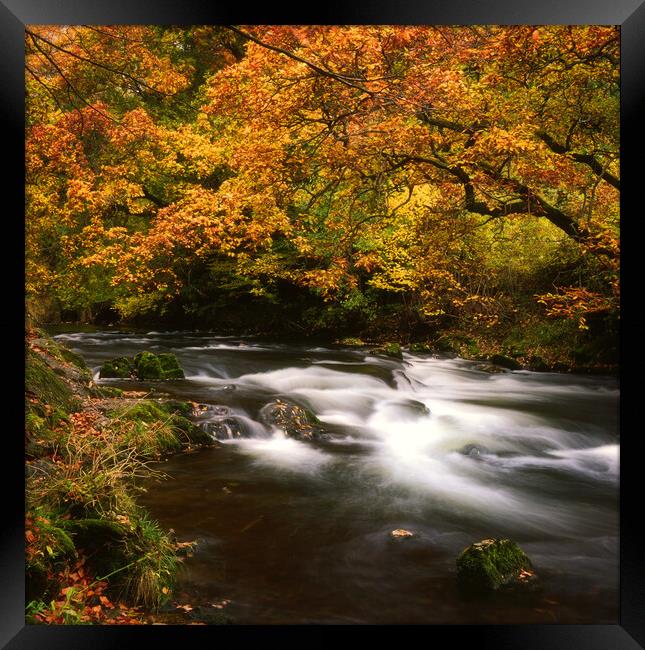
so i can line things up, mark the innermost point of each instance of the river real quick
(294, 532)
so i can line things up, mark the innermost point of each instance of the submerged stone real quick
(493, 564)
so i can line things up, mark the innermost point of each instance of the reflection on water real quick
(297, 532)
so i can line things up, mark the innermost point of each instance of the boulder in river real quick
(492, 565)
(149, 366)
(145, 366)
(119, 368)
(474, 451)
(225, 428)
(295, 421)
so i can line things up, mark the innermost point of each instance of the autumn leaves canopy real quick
(339, 160)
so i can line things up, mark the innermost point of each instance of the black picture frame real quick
(629, 14)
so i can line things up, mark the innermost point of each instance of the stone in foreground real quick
(492, 565)
(401, 532)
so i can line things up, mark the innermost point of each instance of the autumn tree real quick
(358, 164)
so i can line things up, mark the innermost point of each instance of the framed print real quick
(325, 323)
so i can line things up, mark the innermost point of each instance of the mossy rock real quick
(60, 352)
(195, 434)
(148, 367)
(153, 367)
(144, 410)
(389, 350)
(505, 362)
(119, 368)
(177, 406)
(170, 366)
(178, 429)
(42, 382)
(491, 564)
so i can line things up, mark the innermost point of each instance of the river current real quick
(295, 532)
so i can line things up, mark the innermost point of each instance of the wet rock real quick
(225, 429)
(170, 366)
(410, 409)
(119, 368)
(474, 451)
(149, 366)
(295, 421)
(505, 362)
(494, 565)
(145, 366)
(537, 364)
(488, 367)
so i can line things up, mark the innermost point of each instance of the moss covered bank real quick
(93, 555)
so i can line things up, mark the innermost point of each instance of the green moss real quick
(43, 383)
(176, 406)
(155, 428)
(170, 366)
(119, 368)
(148, 367)
(489, 564)
(109, 391)
(143, 410)
(391, 349)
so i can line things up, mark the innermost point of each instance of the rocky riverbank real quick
(93, 555)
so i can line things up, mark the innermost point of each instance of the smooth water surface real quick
(299, 532)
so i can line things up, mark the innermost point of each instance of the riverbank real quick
(93, 555)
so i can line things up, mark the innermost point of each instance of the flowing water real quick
(299, 532)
